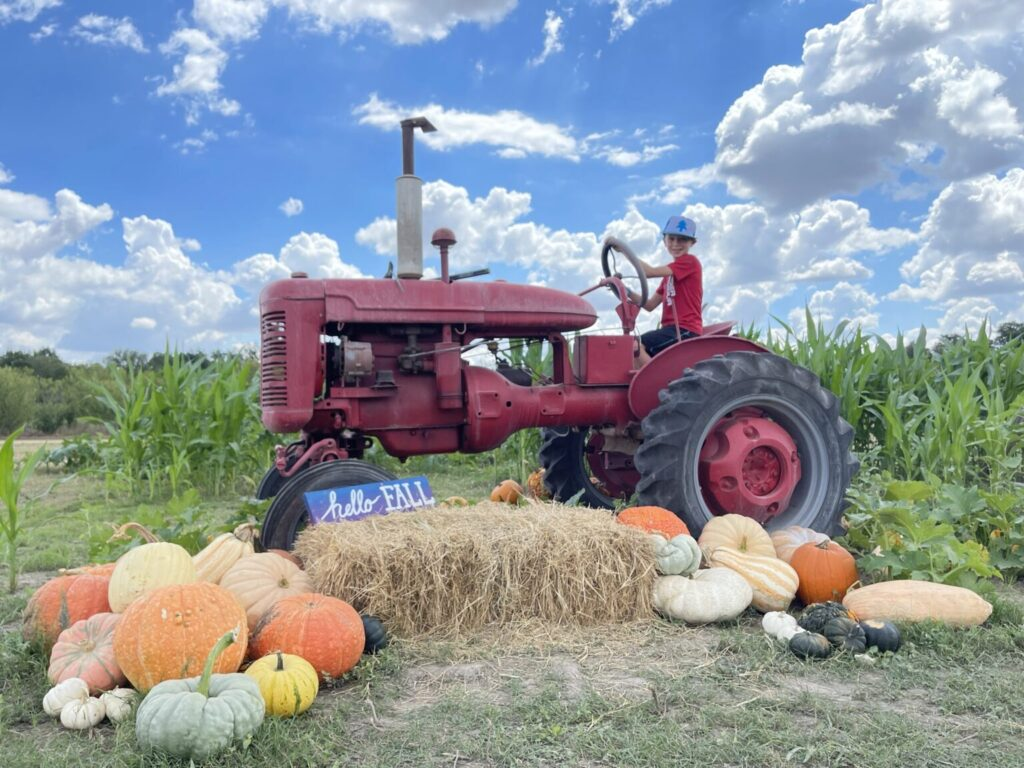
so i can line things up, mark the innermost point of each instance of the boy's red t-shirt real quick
(686, 291)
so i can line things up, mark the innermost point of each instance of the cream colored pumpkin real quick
(80, 714)
(118, 703)
(260, 580)
(911, 600)
(714, 594)
(224, 551)
(737, 532)
(145, 568)
(773, 581)
(787, 540)
(72, 689)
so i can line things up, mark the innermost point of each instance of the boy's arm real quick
(650, 271)
(652, 302)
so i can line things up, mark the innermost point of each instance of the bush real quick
(17, 398)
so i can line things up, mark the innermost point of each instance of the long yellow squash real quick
(910, 600)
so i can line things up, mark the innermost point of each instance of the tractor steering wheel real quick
(608, 264)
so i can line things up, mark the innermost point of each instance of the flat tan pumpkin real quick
(774, 582)
(224, 551)
(86, 650)
(737, 532)
(260, 580)
(787, 540)
(910, 600)
(148, 567)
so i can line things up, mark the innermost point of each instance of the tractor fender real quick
(670, 363)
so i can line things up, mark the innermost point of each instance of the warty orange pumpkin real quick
(167, 633)
(653, 520)
(325, 631)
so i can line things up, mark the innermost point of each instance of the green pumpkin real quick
(678, 557)
(815, 616)
(376, 638)
(846, 635)
(810, 645)
(201, 716)
(882, 635)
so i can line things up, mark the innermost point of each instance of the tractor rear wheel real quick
(574, 464)
(705, 446)
(288, 515)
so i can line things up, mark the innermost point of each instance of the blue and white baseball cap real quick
(680, 225)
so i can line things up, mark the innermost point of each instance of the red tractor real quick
(712, 425)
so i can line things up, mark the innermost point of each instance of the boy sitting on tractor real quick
(681, 290)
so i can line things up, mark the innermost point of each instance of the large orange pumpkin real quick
(61, 602)
(826, 571)
(167, 633)
(508, 491)
(86, 650)
(325, 631)
(654, 520)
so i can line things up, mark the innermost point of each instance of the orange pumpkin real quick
(535, 483)
(61, 602)
(826, 571)
(95, 569)
(86, 650)
(508, 491)
(167, 633)
(654, 520)
(325, 631)
(259, 581)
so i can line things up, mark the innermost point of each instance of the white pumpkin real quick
(678, 557)
(118, 703)
(780, 625)
(145, 568)
(72, 689)
(81, 714)
(787, 540)
(773, 581)
(738, 532)
(714, 594)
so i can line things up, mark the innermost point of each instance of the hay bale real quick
(447, 570)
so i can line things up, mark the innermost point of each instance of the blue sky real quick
(160, 161)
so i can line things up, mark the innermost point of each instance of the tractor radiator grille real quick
(273, 360)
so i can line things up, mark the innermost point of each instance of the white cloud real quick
(508, 130)
(105, 30)
(552, 41)
(317, 255)
(43, 32)
(197, 77)
(6, 177)
(625, 158)
(231, 19)
(972, 251)
(897, 84)
(627, 12)
(291, 207)
(146, 323)
(24, 10)
(852, 303)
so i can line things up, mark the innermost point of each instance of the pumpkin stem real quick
(121, 533)
(280, 662)
(246, 532)
(217, 650)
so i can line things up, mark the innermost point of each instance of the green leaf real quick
(908, 490)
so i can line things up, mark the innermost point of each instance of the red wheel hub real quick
(749, 466)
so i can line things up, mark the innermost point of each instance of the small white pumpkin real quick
(72, 689)
(81, 714)
(780, 625)
(678, 557)
(714, 594)
(118, 703)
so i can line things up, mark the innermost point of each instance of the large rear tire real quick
(785, 393)
(288, 515)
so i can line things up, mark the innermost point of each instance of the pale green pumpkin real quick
(200, 716)
(679, 556)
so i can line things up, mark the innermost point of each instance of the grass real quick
(646, 694)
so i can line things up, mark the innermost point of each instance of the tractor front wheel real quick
(749, 433)
(288, 515)
(575, 465)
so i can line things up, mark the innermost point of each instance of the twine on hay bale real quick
(450, 569)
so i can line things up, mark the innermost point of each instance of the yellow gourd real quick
(288, 683)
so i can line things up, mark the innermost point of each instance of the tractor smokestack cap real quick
(442, 237)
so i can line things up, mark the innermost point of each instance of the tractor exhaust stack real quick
(409, 204)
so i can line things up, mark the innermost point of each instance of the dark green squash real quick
(882, 635)
(810, 645)
(376, 638)
(815, 616)
(846, 635)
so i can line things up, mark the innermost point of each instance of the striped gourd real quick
(224, 551)
(773, 581)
